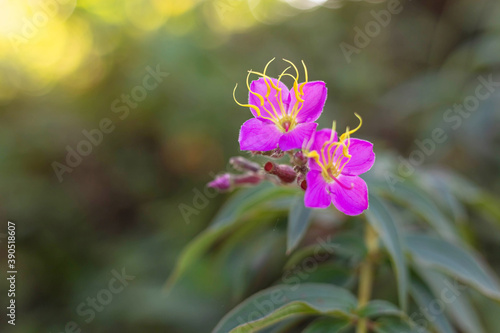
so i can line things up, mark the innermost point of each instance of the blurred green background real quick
(118, 208)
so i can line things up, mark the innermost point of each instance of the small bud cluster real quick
(253, 173)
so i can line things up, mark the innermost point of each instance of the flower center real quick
(331, 173)
(286, 124)
(333, 155)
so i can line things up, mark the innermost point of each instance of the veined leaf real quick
(455, 261)
(345, 245)
(452, 299)
(284, 301)
(298, 222)
(383, 222)
(415, 200)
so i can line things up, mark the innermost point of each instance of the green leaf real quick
(393, 325)
(379, 308)
(298, 222)
(424, 299)
(259, 197)
(284, 301)
(455, 261)
(328, 272)
(282, 327)
(381, 219)
(453, 298)
(328, 325)
(345, 245)
(417, 201)
(437, 185)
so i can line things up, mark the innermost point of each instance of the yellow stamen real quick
(249, 105)
(294, 67)
(305, 71)
(332, 163)
(354, 130)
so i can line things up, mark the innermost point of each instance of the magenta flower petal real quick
(316, 195)
(349, 194)
(260, 87)
(295, 138)
(362, 157)
(320, 137)
(259, 134)
(314, 100)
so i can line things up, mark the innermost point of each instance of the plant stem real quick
(366, 274)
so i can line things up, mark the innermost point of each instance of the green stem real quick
(366, 275)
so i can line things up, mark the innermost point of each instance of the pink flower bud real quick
(284, 172)
(301, 181)
(221, 182)
(299, 158)
(248, 179)
(242, 164)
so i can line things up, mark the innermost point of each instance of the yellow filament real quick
(294, 67)
(314, 155)
(354, 130)
(282, 108)
(276, 116)
(305, 71)
(334, 128)
(262, 102)
(270, 61)
(265, 70)
(249, 105)
(307, 78)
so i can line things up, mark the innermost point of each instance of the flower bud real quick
(301, 181)
(284, 172)
(299, 158)
(248, 179)
(221, 182)
(242, 164)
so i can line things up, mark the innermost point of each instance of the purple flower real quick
(283, 118)
(334, 168)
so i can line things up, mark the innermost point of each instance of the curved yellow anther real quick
(294, 67)
(334, 128)
(265, 68)
(305, 71)
(284, 73)
(343, 136)
(249, 105)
